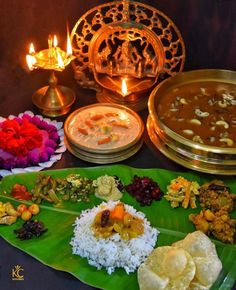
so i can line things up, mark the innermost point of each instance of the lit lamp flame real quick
(60, 60)
(30, 59)
(31, 49)
(124, 89)
(55, 42)
(69, 46)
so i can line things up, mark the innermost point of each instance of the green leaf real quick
(54, 250)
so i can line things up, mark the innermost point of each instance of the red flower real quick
(19, 139)
(10, 126)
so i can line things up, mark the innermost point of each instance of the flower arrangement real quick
(27, 140)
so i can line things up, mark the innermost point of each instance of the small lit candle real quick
(60, 60)
(69, 46)
(124, 88)
(55, 42)
(31, 49)
(30, 58)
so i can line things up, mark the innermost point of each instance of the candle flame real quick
(60, 60)
(69, 46)
(31, 49)
(55, 42)
(124, 89)
(31, 61)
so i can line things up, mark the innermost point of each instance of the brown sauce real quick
(202, 112)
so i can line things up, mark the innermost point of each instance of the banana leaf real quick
(53, 247)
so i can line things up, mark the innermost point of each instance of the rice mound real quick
(112, 252)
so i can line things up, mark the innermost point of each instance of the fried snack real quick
(203, 252)
(166, 268)
(191, 263)
(8, 214)
(182, 191)
(215, 195)
(219, 224)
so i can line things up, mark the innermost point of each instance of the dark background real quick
(208, 28)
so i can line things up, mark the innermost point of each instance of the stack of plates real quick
(185, 151)
(103, 133)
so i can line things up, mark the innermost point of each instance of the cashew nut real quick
(228, 141)
(213, 128)
(222, 123)
(222, 104)
(203, 91)
(198, 139)
(188, 132)
(195, 121)
(199, 113)
(183, 101)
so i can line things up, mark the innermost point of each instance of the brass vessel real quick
(103, 155)
(125, 41)
(190, 154)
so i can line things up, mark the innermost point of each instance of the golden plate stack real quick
(103, 133)
(186, 149)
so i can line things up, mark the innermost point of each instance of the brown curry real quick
(204, 113)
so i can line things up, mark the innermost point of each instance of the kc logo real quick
(16, 273)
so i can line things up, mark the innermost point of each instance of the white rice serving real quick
(113, 251)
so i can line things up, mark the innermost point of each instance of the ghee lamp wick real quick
(55, 42)
(69, 46)
(30, 58)
(31, 49)
(124, 88)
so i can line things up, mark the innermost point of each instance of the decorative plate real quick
(29, 142)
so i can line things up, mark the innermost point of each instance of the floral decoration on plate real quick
(29, 142)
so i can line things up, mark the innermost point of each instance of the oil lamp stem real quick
(52, 79)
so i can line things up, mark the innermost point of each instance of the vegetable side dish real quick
(217, 202)
(181, 191)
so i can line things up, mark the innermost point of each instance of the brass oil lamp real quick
(123, 49)
(52, 100)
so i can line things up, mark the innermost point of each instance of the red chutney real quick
(20, 192)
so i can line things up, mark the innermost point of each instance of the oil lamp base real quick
(134, 101)
(54, 101)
